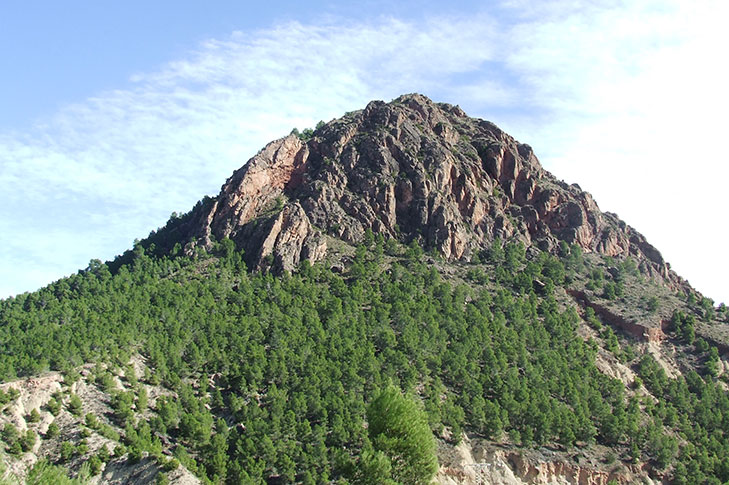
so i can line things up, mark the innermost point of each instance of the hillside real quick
(402, 248)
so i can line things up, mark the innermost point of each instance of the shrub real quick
(67, 451)
(33, 416)
(652, 304)
(74, 405)
(52, 430)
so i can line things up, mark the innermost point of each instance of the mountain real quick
(398, 294)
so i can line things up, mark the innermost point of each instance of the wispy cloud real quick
(87, 180)
(601, 92)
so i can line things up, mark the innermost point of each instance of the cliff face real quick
(473, 462)
(409, 169)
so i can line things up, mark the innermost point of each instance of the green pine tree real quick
(398, 427)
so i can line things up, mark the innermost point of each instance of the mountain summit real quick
(408, 169)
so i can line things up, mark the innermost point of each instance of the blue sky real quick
(115, 114)
(61, 52)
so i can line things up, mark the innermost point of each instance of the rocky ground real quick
(37, 393)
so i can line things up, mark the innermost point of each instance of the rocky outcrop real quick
(475, 462)
(144, 472)
(409, 169)
(562, 472)
(641, 331)
(252, 210)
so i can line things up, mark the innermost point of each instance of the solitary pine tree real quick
(398, 427)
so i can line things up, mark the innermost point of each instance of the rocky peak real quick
(409, 169)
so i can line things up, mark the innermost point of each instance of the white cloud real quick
(637, 99)
(611, 95)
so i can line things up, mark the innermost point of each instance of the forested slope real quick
(272, 375)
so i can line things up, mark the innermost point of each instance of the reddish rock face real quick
(410, 169)
(253, 209)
